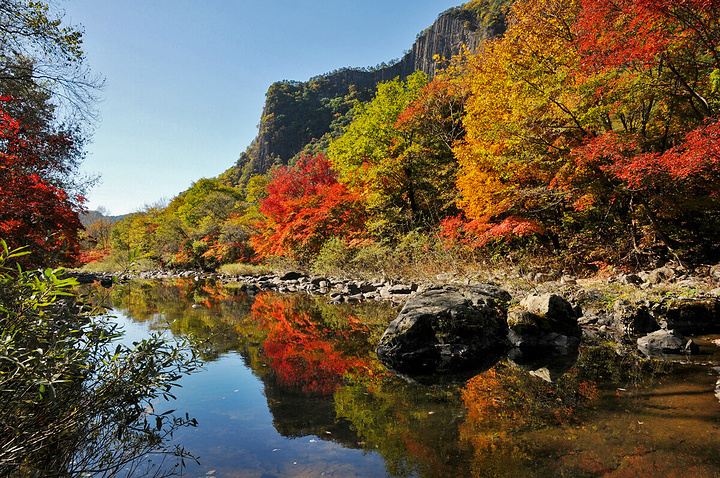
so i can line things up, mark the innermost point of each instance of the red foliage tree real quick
(654, 67)
(33, 212)
(305, 206)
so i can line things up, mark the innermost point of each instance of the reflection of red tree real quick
(304, 352)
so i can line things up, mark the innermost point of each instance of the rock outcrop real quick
(542, 322)
(281, 136)
(690, 315)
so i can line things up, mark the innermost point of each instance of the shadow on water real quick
(293, 388)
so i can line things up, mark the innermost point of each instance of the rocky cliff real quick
(299, 113)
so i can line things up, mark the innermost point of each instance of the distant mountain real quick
(302, 116)
(91, 217)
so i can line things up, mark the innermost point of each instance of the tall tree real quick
(34, 212)
(38, 49)
(524, 116)
(376, 157)
(48, 100)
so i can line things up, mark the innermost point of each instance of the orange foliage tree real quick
(595, 121)
(524, 115)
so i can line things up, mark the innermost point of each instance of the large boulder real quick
(449, 329)
(633, 319)
(544, 323)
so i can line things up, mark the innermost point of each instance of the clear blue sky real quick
(186, 79)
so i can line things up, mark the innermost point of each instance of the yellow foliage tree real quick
(524, 116)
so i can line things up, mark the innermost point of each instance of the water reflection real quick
(292, 387)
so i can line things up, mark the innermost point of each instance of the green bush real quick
(415, 256)
(72, 400)
(333, 260)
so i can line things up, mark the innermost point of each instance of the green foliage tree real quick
(370, 156)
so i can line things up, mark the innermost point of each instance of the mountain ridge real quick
(301, 116)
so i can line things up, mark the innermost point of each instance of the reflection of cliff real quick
(415, 429)
(297, 414)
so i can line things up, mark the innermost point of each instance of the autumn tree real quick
(33, 212)
(655, 67)
(592, 123)
(48, 99)
(524, 116)
(434, 123)
(372, 156)
(304, 207)
(136, 231)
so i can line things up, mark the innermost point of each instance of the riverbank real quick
(620, 308)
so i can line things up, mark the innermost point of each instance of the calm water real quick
(291, 387)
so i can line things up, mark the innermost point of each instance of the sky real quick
(185, 80)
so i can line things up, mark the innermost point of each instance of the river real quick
(291, 387)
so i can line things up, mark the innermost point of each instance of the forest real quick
(585, 136)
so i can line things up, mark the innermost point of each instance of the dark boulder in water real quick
(450, 329)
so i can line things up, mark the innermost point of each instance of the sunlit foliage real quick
(305, 206)
(34, 212)
(594, 119)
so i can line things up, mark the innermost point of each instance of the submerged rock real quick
(661, 342)
(447, 329)
(544, 366)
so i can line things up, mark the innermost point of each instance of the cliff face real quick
(296, 113)
(444, 38)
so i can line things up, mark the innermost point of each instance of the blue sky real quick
(186, 79)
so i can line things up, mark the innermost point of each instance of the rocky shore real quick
(657, 312)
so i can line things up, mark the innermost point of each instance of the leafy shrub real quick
(333, 259)
(241, 269)
(72, 400)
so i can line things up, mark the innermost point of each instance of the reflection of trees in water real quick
(308, 352)
(322, 378)
(414, 428)
(203, 309)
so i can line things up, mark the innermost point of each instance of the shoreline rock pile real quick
(552, 314)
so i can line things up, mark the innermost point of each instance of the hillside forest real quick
(586, 136)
